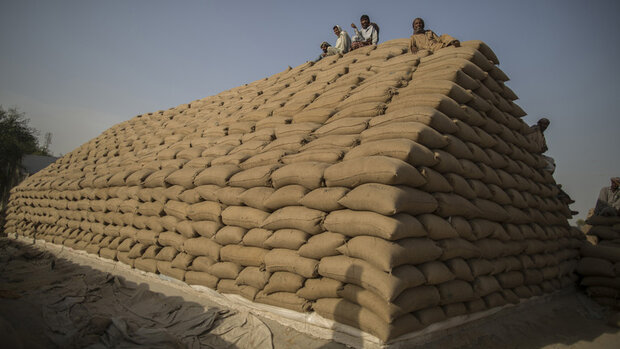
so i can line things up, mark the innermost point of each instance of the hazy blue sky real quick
(78, 67)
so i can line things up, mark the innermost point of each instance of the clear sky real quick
(77, 67)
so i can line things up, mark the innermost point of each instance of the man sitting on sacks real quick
(369, 35)
(608, 203)
(426, 39)
(343, 44)
(536, 136)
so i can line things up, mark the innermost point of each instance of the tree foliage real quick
(17, 139)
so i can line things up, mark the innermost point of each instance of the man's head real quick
(324, 46)
(337, 30)
(543, 124)
(365, 21)
(418, 25)
(615, 182)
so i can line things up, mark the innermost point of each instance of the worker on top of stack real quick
(426, 39)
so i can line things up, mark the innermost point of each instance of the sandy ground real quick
(41, 307)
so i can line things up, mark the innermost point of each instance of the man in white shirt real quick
(368, 35)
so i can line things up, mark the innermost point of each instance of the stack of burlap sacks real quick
(599, 266)
(384, 190)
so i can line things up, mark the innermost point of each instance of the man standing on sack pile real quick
(423, 39)
(369, 35)
(608, 203)
(536, 136)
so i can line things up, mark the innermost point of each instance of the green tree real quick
(17, 139)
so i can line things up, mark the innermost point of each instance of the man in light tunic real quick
(608, 202)
(368, 35)
(343, 43)
(426, 39)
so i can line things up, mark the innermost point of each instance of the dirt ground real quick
(66, 300)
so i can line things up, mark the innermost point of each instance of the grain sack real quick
(225, 270)
(435, 182)
(217, 175)
(363, 274)
(320, 288)
(412, 130)
(256, 197)
(229, 235)
(424, 115)
(243, 255)
(148, 265)
(182, 261)
(372, 169)
(259, 176)
(166, 254)
(289, 260)
(386, 255)
(256, 237)
(324, 199)
(202, 246)
(201, 278)
(147, 237)
(388, 200)
(591, 266)
(343, 126)
(230, 196)
(307, 174)
(253, 276)
(609, 253)
(359, 317)
(166, 268)
(151, 208)
(285, 300)
(322, 245)
(183, 177)
(455, 205)
(206, 228)
(207, 192)
(355, 223)
(436, 272)
(448, 88)
(454, 248)
(157, 178)
(321, 155)
(205, 211)
(169, 238)
(202, 263)
(437, 227)
(288, 195)
(296, 217)
(282, 281)
(287, 238)
(399, 148)
(485, 285)
(242, 216)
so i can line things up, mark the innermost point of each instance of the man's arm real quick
(374, 36)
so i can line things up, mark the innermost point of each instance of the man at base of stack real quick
(608, 203)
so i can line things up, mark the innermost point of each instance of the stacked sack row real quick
(381, 189)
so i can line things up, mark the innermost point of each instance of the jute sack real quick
(166, 254)
(355, 223)
(243, 216)
(361, 273)
(448, 88)
(151, 208)
(157, 178)
(490, 210)
(201, 278)
(447, 163)
(288, 195)
(137, 177)
(609, 253)
(108, 253)
(182, 261)
(410, 300)
(462, 271)
(123, 257)
(320, 288)
(289, 260)
(435, 182)
(601, 281)
(253, 276)
(148, 265)
(177, 209)
(511, 279)
(424, 115)
(296, 217)
(322, 245)
(436, 272)
(322, 155)
(437, 227)
(287, 238)
(256, 237)
(202, 246)
(225, 270)
(284, 300)
(590, 266)
(230, 235)
(186, 229)
(166, 268)
(190, 196)
(243, 255)
(265, 157)
(354, 315)
(465, 65)
(331, 141)
(412, 130)
(147, 237)
(282, 281)
(230, 196)
(387, 255)
(202, 263)
(455, 248)
(400, 148)
(307, 174)
(372, 169)
(259, 176)
(207, 192)
(485, 285)
(455, 205)
(205, 211)
(344, 126)
(324, 199)
(388, 200)
(455, 291)
(183, 177)
(256, 197)
(440, 102)
(206, 228)
(217, 175)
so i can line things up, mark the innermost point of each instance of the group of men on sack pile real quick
(422, 39)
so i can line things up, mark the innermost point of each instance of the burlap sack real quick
(343, 126)
(372, 169)
(148, 265)
(259, 176)
(242, 216)
(285, 300)
(202, 263)
(202, 246)
(355, 223)
(230, 235)
(166, 254)
(590, 266)
(253, 276)
(453, 248)
(295, 217)
(435, 182)
(388, 200)
(320, 288)
(201, 278)
(243, 255)
(288, 195)
(321, 155)
(387, 255)
(322, 245)
(256, 237)
(437, 227)
(157, 178)
(217, 175)
(282, 281)
(358, 272)
(256, 197)
(289, 260)
(412, 130)
(400, 148)
(225, 270)
(287, 238)
(308, 174)
(183, 177)
(324, 199)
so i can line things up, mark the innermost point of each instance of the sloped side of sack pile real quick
(381, 189)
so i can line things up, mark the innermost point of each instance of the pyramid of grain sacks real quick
(382, 189)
